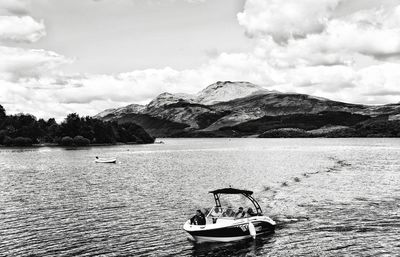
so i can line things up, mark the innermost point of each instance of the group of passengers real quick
(200, 219)
(229, 212)
(242, 214)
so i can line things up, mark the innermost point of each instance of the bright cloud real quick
(373, 32)
(285, 19)
(17, 63)
(21, 29)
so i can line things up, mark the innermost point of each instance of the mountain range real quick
(239, 109)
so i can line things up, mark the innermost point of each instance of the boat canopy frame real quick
(231, 191)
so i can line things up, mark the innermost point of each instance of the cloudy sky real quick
(63, 56)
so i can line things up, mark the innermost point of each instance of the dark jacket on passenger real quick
(198, 220)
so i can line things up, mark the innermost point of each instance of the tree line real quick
(26, 129)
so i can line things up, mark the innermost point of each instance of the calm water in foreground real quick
(330, 197)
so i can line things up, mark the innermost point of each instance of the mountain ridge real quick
(224, 105)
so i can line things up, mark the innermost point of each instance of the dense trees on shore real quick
(25, 129)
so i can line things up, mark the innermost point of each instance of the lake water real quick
(330, 197)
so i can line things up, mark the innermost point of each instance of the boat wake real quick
(338, 165)
(286, 211)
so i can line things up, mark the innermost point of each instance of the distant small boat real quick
(106, 160)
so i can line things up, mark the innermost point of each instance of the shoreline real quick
(71, 146)
(54, 145)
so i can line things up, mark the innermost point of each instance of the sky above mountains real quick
(63, 56)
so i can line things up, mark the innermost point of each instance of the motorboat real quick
(106, 160)
(222, 224)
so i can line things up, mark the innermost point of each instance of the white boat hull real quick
(225, 230)
(113, 160)
(201, 239)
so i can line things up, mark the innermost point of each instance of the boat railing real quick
(223, 213)
(228, 213)
(220, 213)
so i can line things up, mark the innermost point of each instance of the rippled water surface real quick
(330, 197)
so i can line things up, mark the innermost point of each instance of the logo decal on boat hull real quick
(243, 227)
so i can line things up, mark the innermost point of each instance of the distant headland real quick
(27, 130)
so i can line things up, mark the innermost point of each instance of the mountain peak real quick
(168, 98)
(229, 85)
(223, 91)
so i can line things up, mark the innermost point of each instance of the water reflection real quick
(248, 247)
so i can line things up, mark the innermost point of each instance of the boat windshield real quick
(222, 213)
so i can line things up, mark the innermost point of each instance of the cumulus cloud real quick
(21, 29)
(16, 25)
(299, 53)
(14, 6)
(373, 32)
(376, 78)
(285, 19)
(18, 63)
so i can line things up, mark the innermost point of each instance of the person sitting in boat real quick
(215, 214)
(240, 214)
(250, 212)
(198, 219)
(228, 212)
